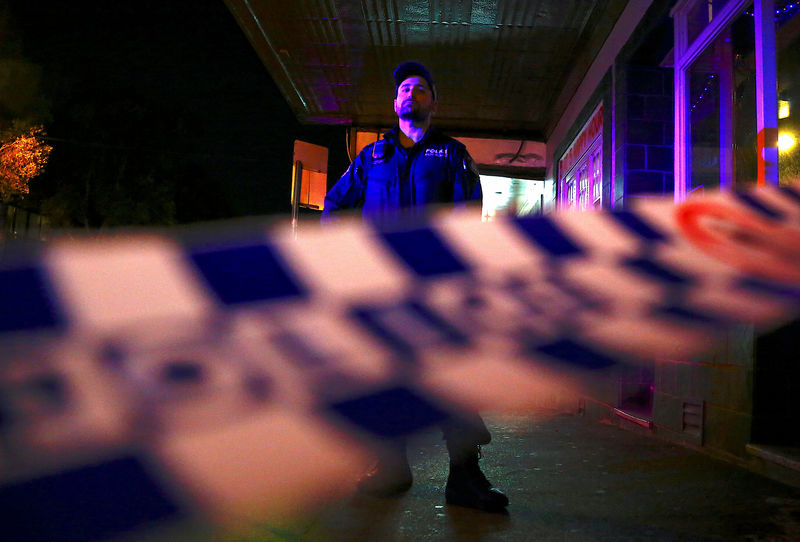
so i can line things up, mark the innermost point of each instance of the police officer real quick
(414, 166)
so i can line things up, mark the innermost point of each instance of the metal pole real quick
(766, 93)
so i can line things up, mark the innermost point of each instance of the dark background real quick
(159, 112)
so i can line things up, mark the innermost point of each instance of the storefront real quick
(701, 95)
(734, 69)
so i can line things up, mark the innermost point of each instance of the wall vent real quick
(692, 422)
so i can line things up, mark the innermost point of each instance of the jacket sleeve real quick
(467, 179)
(348, 192)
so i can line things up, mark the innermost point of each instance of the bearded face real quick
(412, 111)
(414, 101)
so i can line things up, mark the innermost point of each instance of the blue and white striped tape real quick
(248, 374)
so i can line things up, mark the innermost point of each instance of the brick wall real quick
(647, 131)
(708, 400)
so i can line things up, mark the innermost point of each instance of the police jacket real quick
(386, 180)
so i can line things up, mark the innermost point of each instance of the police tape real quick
(153, 379)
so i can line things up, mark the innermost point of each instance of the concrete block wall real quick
(646, 129)
(720, 384)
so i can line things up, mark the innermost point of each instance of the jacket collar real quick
(393, 135)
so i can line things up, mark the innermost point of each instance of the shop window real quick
(597, 178)
(737, 78)
(311, 162)
(364, 138)
(581, 167)
(722, 115)
(737, 85)
(787, 43)
(583, 184)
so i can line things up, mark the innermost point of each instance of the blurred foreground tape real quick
(149, 383)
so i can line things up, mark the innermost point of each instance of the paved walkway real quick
(568, 479)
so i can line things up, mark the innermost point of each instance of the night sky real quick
(172, 85)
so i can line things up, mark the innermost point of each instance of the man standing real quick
(414, 166)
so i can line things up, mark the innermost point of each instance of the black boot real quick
(390, 476)
(467, 485)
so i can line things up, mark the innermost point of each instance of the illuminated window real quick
(364, 138)
(787, 43)
(597, 179)
(737, 77)
(581, 167)
(313, 163)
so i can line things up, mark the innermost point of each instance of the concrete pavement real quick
(568, 479)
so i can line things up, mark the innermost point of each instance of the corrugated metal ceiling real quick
(499, 65)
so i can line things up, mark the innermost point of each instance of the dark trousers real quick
(464, 434)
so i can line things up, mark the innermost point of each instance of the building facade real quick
(690, 96)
